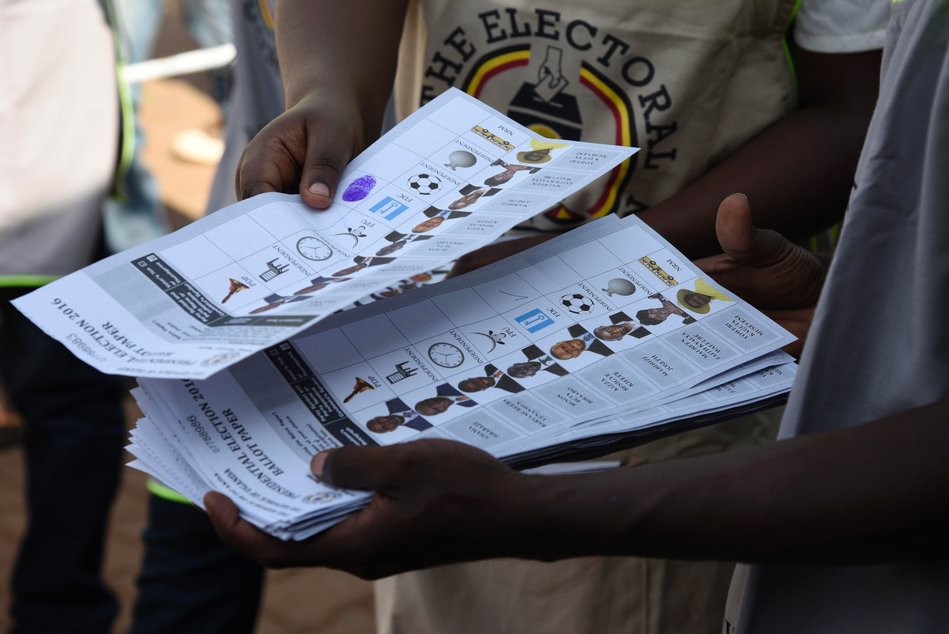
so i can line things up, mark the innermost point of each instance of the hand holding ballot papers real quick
(433, 500)
(439, 502)
(603, 337)
(781, 278)
(541, 357)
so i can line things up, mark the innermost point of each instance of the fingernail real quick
(316, 466)
(319, 189)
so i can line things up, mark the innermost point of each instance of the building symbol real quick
(658, 271)
(273, 270)
(401, 372)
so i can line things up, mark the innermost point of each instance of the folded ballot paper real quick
(603, 337)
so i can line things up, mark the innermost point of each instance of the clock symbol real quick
(314, 249)
(446, 355)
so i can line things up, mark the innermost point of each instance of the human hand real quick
(778, 277)
(435, 502)
(303, 150)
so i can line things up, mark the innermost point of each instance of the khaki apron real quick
(687, 81)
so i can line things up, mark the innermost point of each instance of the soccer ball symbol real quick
(577, 303)
(425, 184)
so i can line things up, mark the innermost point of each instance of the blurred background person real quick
(137, 214)
(190, 580)
(58, 133)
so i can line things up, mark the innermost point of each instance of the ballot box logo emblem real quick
(534, 320)
(389, 208)
(544, 106)
(562, 92)
(425, 184)
(577, 303)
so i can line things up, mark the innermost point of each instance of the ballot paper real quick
(248, 366)
(601, 337)
(452, 177)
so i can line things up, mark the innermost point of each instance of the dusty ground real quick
(295, 600)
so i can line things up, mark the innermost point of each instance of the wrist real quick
(561, 516)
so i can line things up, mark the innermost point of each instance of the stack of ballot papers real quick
(247, 367)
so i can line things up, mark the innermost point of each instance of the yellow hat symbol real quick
(539, 152)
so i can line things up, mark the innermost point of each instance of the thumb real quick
(741, 240)
(320, 177)
(361, 468)
(226, 520)
(222, 511)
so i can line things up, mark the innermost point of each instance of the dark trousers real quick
(190, 580)
(74, 429)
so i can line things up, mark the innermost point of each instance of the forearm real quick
(348, 49)
(798, 173)
(871, 493)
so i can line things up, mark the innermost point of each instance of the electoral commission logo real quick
(550, 106)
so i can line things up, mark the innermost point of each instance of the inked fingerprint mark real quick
(359, 188)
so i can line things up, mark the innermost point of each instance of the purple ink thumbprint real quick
(359, 188)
